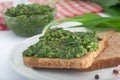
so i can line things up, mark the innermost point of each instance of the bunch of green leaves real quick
(90, 21)
(112, 7)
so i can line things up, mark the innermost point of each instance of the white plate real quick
(17, 64)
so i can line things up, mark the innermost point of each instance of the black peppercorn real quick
(115, 72)
(97, 76)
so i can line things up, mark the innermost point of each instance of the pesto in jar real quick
(29, 20)
(60, 43)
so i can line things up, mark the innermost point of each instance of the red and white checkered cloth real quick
(64, 8)
(70, 8)
(3, 7)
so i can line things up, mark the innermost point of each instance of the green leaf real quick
(113, 10)
(104, 22)
(86, 17)
(112, 7)
(107, 3)
(91, 21)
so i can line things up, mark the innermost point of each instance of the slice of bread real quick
(110, 56)
(76, 63)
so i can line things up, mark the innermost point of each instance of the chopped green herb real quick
(28, 20)
(60, 43)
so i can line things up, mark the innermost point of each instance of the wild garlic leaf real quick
(107, 3)
(111, 7)
(113, 10)
(84, 18)
(90, 21)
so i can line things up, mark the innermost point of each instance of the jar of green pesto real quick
(29, 19)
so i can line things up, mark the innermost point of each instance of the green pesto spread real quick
(60, 43)
(28, 20)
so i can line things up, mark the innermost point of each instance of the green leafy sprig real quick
(90, 21)
(111, 7)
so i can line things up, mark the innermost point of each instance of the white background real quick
(7, 41)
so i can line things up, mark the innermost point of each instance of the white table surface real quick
(7, 41)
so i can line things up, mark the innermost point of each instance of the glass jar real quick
(29, 18)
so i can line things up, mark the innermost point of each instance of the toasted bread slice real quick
(76, 63)
(110, 56)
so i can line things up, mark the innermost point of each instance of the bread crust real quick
(103, 63)
(76, 63)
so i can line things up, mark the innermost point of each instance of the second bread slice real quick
(110, 56)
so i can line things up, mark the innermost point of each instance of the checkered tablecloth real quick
(3, 7)
(64, 8)
(67, 8)
(70, 8)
